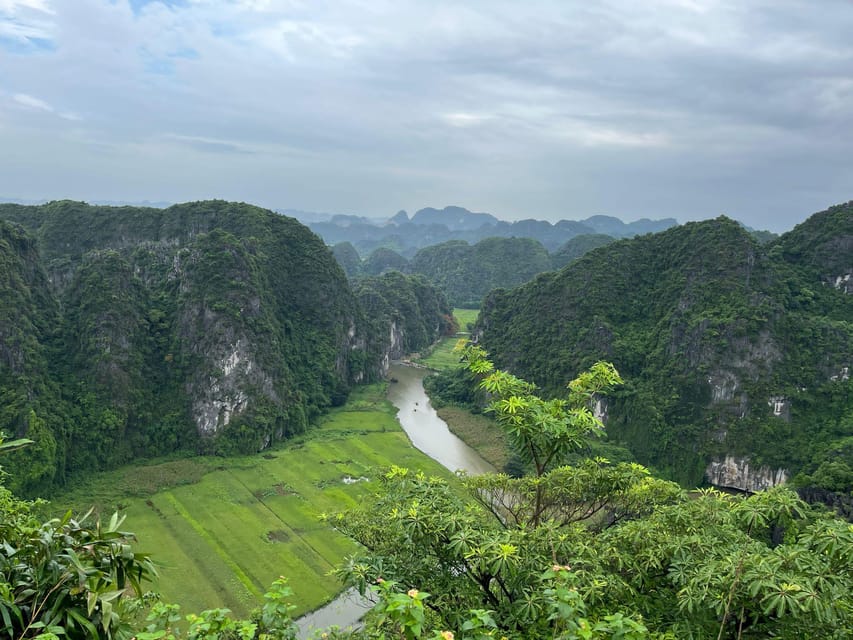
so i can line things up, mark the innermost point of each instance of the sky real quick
(536, 109)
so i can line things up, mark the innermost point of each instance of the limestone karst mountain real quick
(208, 326)
(734, 352)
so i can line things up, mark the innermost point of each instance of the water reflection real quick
(345, 611)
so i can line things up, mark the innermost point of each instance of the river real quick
(428, 433)
(425, 429)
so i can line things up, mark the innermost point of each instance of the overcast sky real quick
(549, 110)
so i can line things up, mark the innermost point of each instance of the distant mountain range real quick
(430, 226)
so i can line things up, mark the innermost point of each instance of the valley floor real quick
(223, 529)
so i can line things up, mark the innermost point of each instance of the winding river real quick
(425, 429)
(430, 434)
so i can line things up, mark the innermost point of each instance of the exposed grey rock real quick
(780, 406)
(736, 473)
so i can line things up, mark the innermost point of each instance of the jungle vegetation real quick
(727, 346)
(465, 273)
(116, 322)
(208, 327)
(592, 551)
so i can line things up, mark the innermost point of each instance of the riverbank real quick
(427, 431)
(479, 432)
(430, 435)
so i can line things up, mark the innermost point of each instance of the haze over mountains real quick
(428, 226)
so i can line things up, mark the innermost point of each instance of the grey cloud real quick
(543, 109)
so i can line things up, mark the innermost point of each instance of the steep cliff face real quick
(217, 321)
(406, 314)
(28, 310)
(395, 349)
(730, 349)
(104, 324)
(29, 399)
(210, 325)
(737, 473)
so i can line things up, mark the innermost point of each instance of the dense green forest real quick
(382, 260)
(209, 326)
(577, 247)
(414, 310)
(467, 272)
(728, 347)
(463, 272)
(218, 327)
(348, 258)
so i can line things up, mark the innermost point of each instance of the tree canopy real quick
(592, 551)
(598, 550)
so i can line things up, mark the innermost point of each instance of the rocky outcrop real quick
(736, 473)
(224, 392)
(394, 350)
(843, 282)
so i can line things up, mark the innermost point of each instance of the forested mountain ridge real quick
(215, 326)
(822, 245)
(577, 247)
(414, 310)
(466, 272)
(732, 351)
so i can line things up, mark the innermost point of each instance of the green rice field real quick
(441, 356)
(222, 529)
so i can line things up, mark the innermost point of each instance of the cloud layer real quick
(684, 108)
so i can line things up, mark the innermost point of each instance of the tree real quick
(597, 550)
(542, 431)
(507, 556)
(64, 577)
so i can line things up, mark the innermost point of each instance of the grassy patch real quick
(465, 317)
(223, 529)
(110, 491)
(441, 356)
(478, 432)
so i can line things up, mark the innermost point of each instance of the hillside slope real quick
(211, 326)
(736, 355)
(465, 273)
